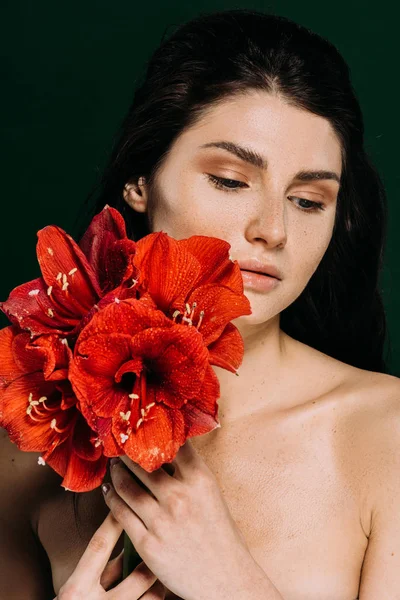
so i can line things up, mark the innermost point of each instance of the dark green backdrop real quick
(68, 75)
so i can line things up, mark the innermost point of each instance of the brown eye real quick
(310, 205)
(228, 185)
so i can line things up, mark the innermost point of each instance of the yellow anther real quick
(134, 396)
(72, 271)
(50, 313)
(49, 290)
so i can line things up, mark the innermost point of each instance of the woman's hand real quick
(94, 573)
(180, 525)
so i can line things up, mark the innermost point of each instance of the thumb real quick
(112, 574)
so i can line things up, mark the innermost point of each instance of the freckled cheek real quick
(310, 249)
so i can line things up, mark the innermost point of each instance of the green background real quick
(68, 74)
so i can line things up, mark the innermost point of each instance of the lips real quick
(259, 273)
(254, 265)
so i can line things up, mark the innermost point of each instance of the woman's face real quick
(266, 211)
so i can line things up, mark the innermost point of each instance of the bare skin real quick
(303, 444)
(297, 482)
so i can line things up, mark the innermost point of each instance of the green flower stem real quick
(131, 557)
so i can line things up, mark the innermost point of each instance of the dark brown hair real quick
(218, 55)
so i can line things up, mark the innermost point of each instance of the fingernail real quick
(105, 488)
(114, 461)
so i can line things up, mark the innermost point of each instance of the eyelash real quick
(218, 183)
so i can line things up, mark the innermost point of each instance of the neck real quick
(266, 350)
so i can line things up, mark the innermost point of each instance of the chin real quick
(256, 318)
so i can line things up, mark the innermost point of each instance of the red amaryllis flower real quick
(193, 281)
(144, 383)
(39, 409)
(74, 277)
(143, 375)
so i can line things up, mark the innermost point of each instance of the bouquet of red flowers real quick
(110, 350)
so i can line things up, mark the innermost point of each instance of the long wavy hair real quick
(219, 55)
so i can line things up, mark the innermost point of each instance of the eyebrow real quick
(255, 159)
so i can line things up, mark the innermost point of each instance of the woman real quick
(247, 128)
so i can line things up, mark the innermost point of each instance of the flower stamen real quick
(194, 305)
(53, 425)
(200, 320)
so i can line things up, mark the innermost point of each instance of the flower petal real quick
(227, 350)
(157, 440)
(216, 266)
(176, 360)
(9, 369)
(33, 433)
(107, 248)
(79, 474)
(201, 414)
(166, 270)
(66, 269)
(220, 306)
(30, 307)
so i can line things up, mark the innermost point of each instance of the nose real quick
(268, 224)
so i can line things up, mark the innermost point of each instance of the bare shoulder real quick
(369, 392)
(366, 427)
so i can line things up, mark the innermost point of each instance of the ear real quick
(136, 195)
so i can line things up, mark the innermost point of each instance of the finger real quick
(112, 574)
(137, 583)
(126, 516)
(154, 481)
(94, 560)
(141, 502)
